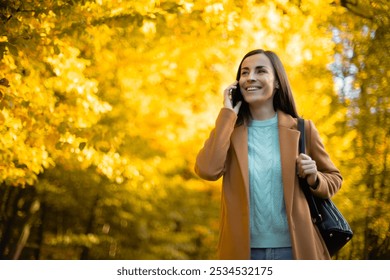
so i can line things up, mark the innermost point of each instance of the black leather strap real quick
(301, 128)
(315, 215)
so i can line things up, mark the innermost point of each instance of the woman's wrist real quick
(315, 185)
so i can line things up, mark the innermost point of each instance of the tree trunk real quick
(35, 205)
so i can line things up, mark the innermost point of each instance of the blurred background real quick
(104, 105)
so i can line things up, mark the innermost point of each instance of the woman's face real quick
(257, 80)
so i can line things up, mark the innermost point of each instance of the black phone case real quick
(236, 96)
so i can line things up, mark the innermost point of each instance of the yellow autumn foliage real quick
(108, 102)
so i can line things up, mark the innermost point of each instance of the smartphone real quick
(236, 95)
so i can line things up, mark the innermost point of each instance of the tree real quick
(363, 49)
(104, 105)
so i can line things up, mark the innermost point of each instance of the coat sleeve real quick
(329, 176)
(210, 161)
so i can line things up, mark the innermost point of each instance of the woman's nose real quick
(251, 76)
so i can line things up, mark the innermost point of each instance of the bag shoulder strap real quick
(315, 214)
(301, 128)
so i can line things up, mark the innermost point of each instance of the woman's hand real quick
(307, 168)
(227, 98)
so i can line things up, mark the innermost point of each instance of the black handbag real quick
(332, 225)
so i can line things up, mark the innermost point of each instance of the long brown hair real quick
(283, 97)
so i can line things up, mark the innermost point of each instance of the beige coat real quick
(225, 154)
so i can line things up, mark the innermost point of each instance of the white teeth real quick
(252, 88)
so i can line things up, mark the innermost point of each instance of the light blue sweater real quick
(268, 222)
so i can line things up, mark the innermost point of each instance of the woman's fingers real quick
(305, 166)
(227, 96)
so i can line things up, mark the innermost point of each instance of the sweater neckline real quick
(262, 123)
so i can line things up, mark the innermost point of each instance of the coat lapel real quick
(288, 140)
(240, 143)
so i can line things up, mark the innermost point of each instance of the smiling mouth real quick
(253, 88)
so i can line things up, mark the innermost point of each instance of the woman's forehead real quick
(256, 60)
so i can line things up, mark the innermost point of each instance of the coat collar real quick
(288, 140)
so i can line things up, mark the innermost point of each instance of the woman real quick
(254, 146)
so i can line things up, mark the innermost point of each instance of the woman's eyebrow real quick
(256, 68)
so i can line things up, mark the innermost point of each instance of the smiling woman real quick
(254, 146)
(258, 85)
(268, 71)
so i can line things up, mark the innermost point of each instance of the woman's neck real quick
(262, 112)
